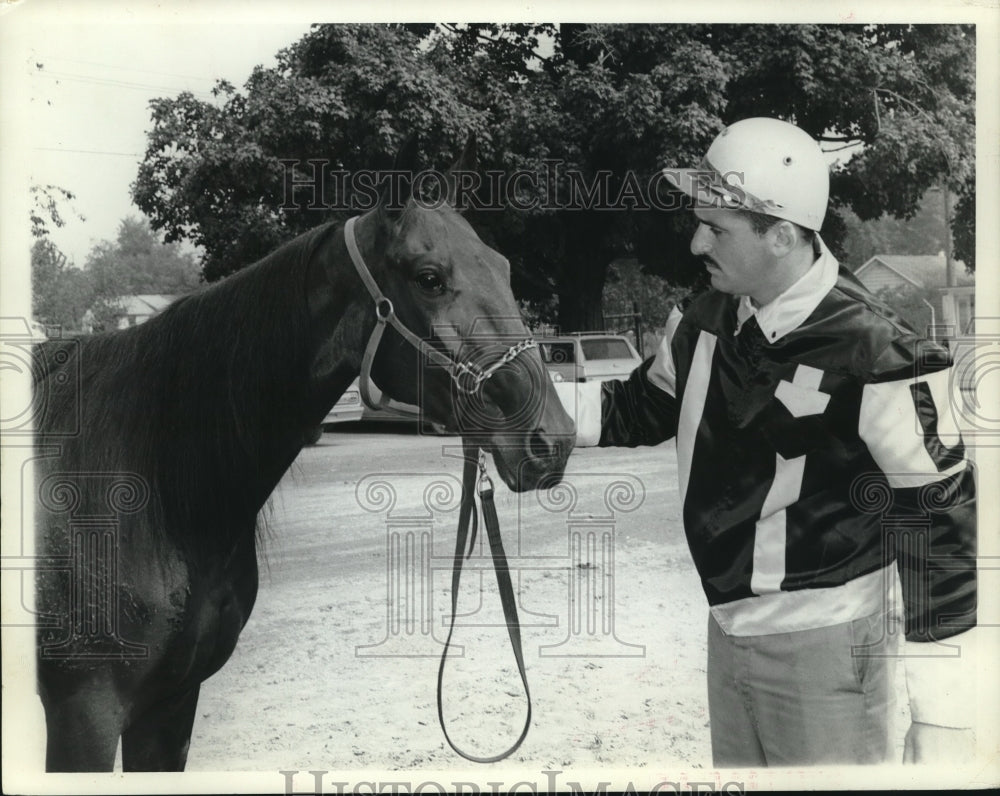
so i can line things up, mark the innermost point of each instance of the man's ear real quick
(785, 237)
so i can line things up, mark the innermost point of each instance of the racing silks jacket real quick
(816, 446)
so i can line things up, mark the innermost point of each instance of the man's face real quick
(739, 261)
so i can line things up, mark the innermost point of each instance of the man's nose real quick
(699, 242)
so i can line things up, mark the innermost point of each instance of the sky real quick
(88, 104)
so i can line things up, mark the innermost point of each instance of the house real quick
(952, 306)
(130, 310)
(139, 309)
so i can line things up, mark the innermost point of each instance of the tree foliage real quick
(346, 94)
(924, 233)
(45, 208)
(595, 109)
(138, 262)
(628, 288)
(135, 262)
(60, 293)
(911, 303)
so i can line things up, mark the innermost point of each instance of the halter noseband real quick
(468, 376)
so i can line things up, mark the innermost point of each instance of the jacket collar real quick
(787, 311)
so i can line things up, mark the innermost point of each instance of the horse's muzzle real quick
(531, 460)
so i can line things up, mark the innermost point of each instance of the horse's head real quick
(453, 291)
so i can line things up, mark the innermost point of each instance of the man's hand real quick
(928, 743)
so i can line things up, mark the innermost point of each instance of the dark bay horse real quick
(158, 446)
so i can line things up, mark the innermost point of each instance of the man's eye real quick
(429, 282)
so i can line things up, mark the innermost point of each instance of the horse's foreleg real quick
(158, 740)
(82, 733)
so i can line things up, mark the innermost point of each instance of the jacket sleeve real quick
(643, 409)
(639, 410)
(909, 426)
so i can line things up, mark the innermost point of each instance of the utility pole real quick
(949, 272)
(637, 325)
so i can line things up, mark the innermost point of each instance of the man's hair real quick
(761, 223)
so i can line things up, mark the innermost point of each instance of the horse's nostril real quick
(539, 446)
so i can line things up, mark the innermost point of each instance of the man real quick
(817, 452)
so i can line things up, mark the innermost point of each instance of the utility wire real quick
(86, 151)
(46, 58)
(113, 83)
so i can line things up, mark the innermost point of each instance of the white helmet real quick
(765, 165)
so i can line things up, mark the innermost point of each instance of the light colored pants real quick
(802, 698)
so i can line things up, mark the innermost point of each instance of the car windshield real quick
(606, 348)
(557, 353)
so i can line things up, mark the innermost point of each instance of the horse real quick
(158, 446)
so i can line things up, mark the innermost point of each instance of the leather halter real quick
(467, 376)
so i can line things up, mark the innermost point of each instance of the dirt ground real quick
(337, 667)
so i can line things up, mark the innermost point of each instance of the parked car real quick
(350, 408)
(571, 358)
(347, 409)
(588, 356)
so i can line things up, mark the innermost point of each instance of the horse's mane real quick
(187, 399)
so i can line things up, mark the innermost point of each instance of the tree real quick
(598, 131)
(138, 262)
(901, 98)
(345, 94)
(60, 293)
(912, 304)
(135, 262)
(45, 201)
(924, 233)
(628, 286)
(595, 116)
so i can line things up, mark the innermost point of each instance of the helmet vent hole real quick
(788, 160)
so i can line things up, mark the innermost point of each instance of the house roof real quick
(921, 270)
(145, 303)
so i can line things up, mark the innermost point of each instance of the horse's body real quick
(159, 445)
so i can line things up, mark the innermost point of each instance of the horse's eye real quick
(430, 282)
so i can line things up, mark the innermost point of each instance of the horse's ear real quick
(396, 191)
(406, 157)
(467, 162)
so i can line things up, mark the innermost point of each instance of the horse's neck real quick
(342, 320)
(284, 382)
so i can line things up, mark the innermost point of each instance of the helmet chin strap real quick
(468, 376)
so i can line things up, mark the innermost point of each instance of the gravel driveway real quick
(337, 667)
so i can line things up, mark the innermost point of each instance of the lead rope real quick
(467, 513)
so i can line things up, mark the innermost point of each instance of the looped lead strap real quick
(463, 548)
